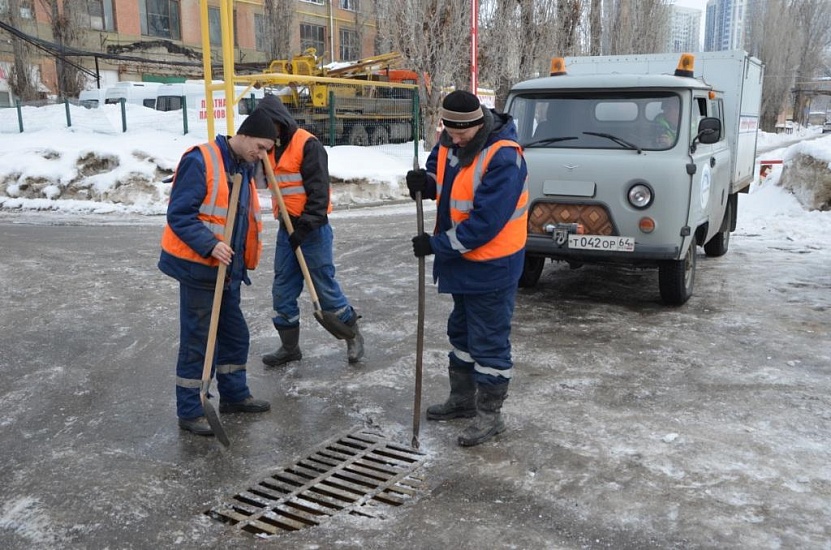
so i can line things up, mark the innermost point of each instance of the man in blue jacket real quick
(192, 249)
(477, 174)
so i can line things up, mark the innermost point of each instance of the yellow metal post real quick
(206, 65)
(227, 19)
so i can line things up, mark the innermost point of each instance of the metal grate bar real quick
(358, 473)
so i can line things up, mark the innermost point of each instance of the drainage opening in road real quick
(360, 474)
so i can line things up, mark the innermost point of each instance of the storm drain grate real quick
(359, 474)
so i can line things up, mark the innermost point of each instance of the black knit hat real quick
(461, 109)
(258, 125)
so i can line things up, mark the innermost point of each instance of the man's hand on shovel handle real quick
(223, 253)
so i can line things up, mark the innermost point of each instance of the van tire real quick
(380, 136)
(717, 246)
(358, 136)
(676, 278)
(531, 271)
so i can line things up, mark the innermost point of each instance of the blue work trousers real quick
(288, 278)
(230, 353)
(479, 329)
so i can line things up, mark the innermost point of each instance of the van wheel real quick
(676, 278)
(531, 271)
(380, 136)
(717, 246)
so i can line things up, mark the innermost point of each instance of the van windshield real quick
(597, 120)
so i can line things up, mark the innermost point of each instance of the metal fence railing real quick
(345, 115)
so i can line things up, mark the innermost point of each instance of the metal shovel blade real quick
(213, 420)
(335, 326)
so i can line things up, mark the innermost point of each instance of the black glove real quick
(417, 182)
(301, 231)
(421, 245)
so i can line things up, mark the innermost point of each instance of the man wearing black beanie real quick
(301, 167)
(193, 246)
(479, 244)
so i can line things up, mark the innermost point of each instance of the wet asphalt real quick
(630, 424)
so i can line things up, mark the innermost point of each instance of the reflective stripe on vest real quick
(287, 174)
(511, 238)
(213, 213)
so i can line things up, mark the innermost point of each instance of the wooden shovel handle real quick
(220, 286)
(284, 214)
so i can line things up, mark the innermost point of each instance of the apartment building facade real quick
(161, 40)
(685, 30)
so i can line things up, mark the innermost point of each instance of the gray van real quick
(631, 163)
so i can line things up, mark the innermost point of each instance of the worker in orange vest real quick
(301, 167)
(192, 249)
(477, 174)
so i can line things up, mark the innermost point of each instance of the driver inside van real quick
(667, 121)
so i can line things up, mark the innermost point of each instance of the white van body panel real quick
(92, 99)
(169, 98)
(136, 93)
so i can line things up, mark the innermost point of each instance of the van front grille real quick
(594, 218)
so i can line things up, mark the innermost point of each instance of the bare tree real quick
(772, 39)
(516, 42)
(427, 33)
(569, 15)
(640, 26)
(22, 81)
(595, 27)
(279, 22)
(813, 25)
(66, 30)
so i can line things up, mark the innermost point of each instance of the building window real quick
(214, 27)
(349, 50)
(97, 15)
(312, 36)
(314, 1)
(25, 9)
(160, 18)
(351, 5)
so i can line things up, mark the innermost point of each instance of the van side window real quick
(717, 111)
(699, 112)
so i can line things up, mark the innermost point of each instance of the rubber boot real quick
(289, 350)
(355, 346)
(488, 421)
(462, 400)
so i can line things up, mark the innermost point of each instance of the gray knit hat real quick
(460, 110)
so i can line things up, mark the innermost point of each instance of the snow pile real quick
(94, 166)
(807, 174)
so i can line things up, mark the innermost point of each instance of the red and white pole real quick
(474, 25)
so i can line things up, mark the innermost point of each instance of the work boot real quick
(247, 405)
(355, 346)
(198, 425)
(488, 421)
(462, 400)
(289, 350)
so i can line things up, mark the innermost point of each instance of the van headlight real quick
(640, 196)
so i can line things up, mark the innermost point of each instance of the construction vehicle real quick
(367, 102)
(631, 164)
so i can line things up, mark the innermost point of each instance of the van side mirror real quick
(709, 132)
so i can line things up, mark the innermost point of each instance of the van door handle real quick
(712, 161)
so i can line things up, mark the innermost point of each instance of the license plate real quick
(602, 242)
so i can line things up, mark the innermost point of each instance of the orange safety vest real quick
(213, 213)
(287, 174)
(513, 235)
